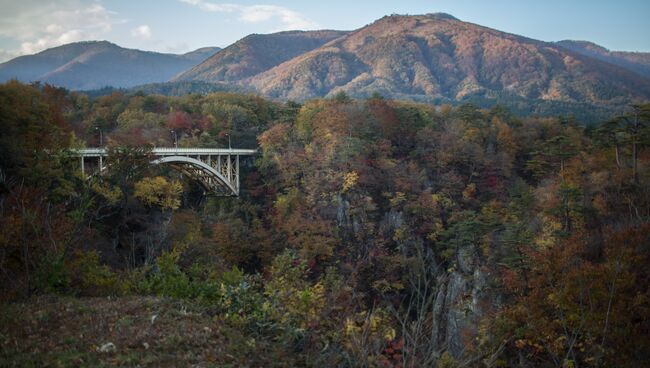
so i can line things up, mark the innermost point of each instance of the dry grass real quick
(146, 332)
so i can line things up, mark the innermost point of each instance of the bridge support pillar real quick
(229, 169)
(237, 176)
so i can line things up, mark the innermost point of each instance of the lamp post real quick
(101, 137)
(175, 138)
(101, 144)
(228, 135)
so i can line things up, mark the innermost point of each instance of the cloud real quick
(288, 19)
(8, 54)
(35, 25)
(142, 32)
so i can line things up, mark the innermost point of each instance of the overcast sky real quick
(30, 26)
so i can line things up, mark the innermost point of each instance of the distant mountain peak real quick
(637, 62)
(583, 44)
(95, 64)
(434, 57)
(427, 57)
(399, 18)
(443, 16)
(257, 53)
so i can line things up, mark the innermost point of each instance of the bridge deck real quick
(96, 152)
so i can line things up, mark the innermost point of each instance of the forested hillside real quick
(638, 62)
(256, 53)
(372, 232)
(97, 64)
(438, 57)
(430, 58)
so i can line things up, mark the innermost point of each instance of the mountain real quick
(438, 57)
(257, 53)
(638, 62)
(430, 58)
(199, 55)
(95, 64)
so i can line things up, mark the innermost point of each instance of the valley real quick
(421, 191)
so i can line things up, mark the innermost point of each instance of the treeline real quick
(369, 232)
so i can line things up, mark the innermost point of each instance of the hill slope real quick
(257, 53)
(95, 64)
(638, 62)
(433, 57)
(436, 56)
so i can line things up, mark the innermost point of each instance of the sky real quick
(178, 26)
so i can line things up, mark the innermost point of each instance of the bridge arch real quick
(205, 174)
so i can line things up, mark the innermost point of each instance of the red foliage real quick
(392, 354)
(388, 119)
(179, 120)
(134, 137)
(202, 123)
(589, 310)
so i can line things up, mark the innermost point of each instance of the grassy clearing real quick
(146, 332)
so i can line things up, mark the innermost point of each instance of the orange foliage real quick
(572, 308)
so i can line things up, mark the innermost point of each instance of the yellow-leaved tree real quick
(159, 191)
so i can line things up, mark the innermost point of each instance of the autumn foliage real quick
(370, 233)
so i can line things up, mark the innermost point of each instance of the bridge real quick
(216, 169)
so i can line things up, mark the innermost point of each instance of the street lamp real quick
(175, 138)
(228, 135)
(101, 137)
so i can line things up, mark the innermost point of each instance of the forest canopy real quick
(368, 232)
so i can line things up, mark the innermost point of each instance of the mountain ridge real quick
(639, 62)
(94, 64)
(428, 58)
(431, 57)
(256, 53)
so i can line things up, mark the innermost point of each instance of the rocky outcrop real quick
(459, 291)
(457, 309)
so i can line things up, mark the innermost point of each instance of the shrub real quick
(87, 276)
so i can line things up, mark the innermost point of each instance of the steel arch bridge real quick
(216, 169)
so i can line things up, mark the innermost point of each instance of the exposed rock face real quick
(458, 305)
